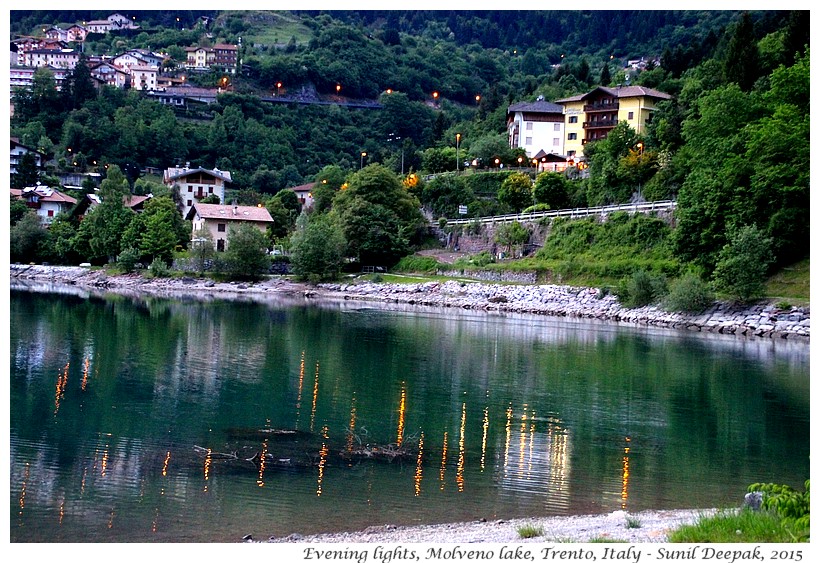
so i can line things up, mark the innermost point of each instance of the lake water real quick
(135, 419)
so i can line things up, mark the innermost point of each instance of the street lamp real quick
(520, 160)
(478, 98)
(458, 141)
(361, 160)
(338, 87)
(278, 86)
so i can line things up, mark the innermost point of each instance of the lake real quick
(141, 419)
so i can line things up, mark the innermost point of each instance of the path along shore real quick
(761, 320)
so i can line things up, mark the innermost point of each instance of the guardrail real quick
(647, 207)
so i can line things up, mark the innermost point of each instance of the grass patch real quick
(633, 522)
(530, 531)
(744, 526)
(417, 264)
(790, 284)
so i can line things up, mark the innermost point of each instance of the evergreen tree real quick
(605, 76)
(741, 65)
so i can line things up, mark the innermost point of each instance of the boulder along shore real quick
(760, 320)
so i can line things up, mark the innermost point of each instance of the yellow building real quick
(591, 116)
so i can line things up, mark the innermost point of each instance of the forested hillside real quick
(732, 145)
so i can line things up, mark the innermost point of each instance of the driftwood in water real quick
(294, 450)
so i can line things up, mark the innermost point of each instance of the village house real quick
(58, 58)
(144, 77)
(591, 116)
(218, 219)
(537, 127)
(220, 56)
(195, 184)
(304, 193)
(110, 74)
(18, 150)
(45, 201)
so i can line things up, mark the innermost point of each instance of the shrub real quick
(689, 294)
(127, 260)
(159, 269)
(641, 288)
(742, 264)
(417, 264)
(633, 522)
(792, 506)
(530, 531)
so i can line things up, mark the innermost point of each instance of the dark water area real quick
(136, 419)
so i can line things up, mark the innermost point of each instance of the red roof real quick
(230, 212)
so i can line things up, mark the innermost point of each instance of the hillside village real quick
(551, 134)
(224, 134)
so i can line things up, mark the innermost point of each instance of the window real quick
(571, 153)
(220, 227)
(631, 115)
(556, 127)
(529, 126)
(190, 203)
(529, 141)
(211, 190)
(572, 136)
(556, 142)
(190, 188)
(51, 213)
(573, 119)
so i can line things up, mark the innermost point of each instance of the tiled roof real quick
(226, 176)
(621, 92)
(536, 107)
(230, 212)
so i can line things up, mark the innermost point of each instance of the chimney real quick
(235, 209)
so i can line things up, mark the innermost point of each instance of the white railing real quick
(647, 207)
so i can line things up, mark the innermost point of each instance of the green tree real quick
(552, 189)
(317, 249)
(743, 263)
(26, 239)
(741, 65)
(27, 172)
(246, 255)
(511, 235)
(516, 192)
(202, 250)
(374, 234)
(163, 229)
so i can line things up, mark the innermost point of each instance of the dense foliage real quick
(731, 146)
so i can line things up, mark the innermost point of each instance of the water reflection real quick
(506, 410)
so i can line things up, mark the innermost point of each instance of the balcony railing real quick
(601, 124)
(601, 107)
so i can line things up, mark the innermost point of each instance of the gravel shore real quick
(647, 527)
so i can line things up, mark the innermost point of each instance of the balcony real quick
(601, 124)
(598, 106)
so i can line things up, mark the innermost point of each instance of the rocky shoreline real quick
(762, 320)
(651, 526)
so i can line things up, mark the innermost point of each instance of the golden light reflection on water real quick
(84, 382)
(59, 393)
(508, 437)
(315, 397)
(460, 466)
(625, 474)
(443, 468)
(165, 463)
(351, 426)
(402, 410)
(322, 462)
(299, 393)
(62, 512)
(419, 467)
(485, 426)
(260, 479)
(22, 499)
(206, 470)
